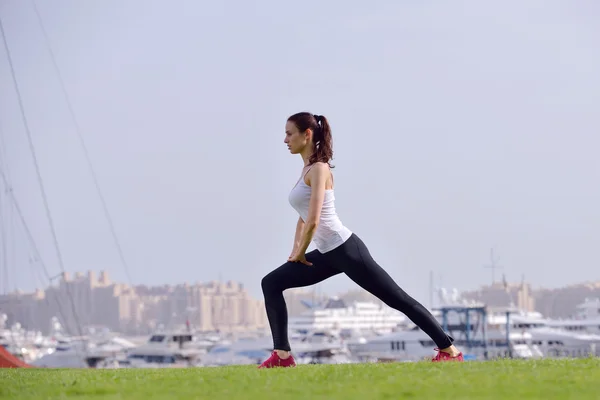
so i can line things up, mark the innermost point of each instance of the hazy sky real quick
(457, 126)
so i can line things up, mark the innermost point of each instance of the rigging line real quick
(4, 228)
(32, 243)
(7, 231)
(4, 233)
(84, 147)
(3, 247)
(39, 175)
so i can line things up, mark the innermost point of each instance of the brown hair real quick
(322, 140)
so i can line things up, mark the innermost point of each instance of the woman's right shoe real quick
(443, 356)
(275, 361)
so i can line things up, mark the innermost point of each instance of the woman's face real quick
(296, 141)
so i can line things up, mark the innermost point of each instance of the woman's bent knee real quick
(268, 283)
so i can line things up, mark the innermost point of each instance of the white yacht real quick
(167, 349)
(585, 320)
(83, 352)
(335, 315)
(549, 339)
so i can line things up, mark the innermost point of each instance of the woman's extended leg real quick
(290, 275)
(355, 260)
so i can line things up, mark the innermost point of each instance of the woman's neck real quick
(306, 157)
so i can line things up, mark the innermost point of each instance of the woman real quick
(337, 248)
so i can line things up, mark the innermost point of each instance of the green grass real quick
(545, 379)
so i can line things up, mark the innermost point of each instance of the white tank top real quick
(330, 232)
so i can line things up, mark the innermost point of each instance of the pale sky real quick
(458, 126)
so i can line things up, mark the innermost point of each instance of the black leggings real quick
(353, 259)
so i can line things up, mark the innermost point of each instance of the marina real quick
(330, 333)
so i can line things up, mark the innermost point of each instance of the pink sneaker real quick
(442, 356)
(275, 361)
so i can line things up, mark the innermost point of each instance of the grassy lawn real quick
(544, 379)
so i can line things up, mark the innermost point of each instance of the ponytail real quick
(322, 142)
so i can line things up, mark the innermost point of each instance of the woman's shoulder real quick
(320, 166)
(318, 171)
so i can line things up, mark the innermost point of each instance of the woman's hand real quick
(299, 257)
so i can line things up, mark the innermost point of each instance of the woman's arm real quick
(317, 177)
(297, 235)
